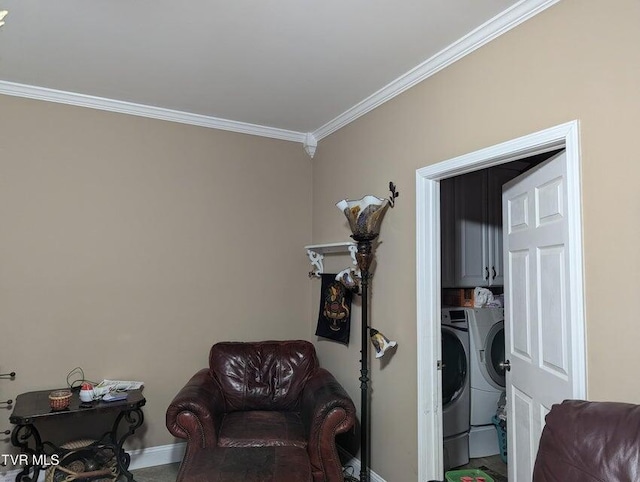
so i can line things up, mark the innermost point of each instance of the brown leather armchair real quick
(261, 412)
(589, 442)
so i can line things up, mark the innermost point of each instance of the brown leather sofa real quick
(261, 412)
(589, 442)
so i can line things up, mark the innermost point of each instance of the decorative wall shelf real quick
(316, 254)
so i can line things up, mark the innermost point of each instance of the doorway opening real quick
(474, 412)
(429, 272)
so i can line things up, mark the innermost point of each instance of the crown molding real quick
(310, 144)
(82, 100)
(485, 33)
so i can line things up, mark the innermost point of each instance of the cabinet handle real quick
(486, 270)
(493, 269)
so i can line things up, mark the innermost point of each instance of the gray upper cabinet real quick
(447, 232)
(496, 178)
(472, 259)
(474, 256)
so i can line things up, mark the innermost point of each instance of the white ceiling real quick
(296, 66)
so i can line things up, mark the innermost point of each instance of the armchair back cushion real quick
(262, 375)
(590, 442)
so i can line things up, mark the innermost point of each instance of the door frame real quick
(428, 269)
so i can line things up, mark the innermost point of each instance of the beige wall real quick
(130, 246)
(576, 60)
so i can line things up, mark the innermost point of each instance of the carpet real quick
(493, 474)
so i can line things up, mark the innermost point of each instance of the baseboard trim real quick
(354, 462)
(158, 455)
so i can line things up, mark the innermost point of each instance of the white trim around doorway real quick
(430, 456)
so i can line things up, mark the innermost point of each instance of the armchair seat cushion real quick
(261, 428)
(242, 464)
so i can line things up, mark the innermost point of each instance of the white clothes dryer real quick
(456, 386)
(487, 378)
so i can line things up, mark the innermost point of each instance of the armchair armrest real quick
(326, 410)
(194, 412)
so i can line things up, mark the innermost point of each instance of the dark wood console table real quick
(31, 407)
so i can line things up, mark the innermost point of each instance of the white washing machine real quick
(486, 336)
(456, 386)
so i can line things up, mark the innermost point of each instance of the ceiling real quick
(281, 68)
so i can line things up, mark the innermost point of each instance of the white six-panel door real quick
(538, 329)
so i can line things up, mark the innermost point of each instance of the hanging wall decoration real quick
(334, 318)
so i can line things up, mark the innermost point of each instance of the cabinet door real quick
(471, 230)
(497, 176)
(447, 233)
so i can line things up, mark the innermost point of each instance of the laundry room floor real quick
(493, 463)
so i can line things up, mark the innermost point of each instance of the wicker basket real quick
(60, 399)
(83, 460)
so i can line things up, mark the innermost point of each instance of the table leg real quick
(134, 418)
(20, 438)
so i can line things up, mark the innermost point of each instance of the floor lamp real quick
(365, 216)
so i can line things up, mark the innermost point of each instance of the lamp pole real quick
(364, 256)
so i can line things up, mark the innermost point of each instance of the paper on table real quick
(106, 386)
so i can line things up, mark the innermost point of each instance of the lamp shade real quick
(380, 342)
(349, 278)
(364, 216)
